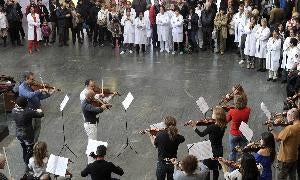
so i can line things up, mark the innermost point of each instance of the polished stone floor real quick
(162, 84)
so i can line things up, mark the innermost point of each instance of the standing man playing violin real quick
(288, 150)
(166, 142)
(90, 113)
(34, 99)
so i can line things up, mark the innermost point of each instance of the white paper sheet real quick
(127, 101)
(202, 105)
(246, 131)
(202, 150)
(57, 165)
(264, 108)
(160, 125)
(64, 103)
(92, 146)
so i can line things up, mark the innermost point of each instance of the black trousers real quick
(102, 31)
(27, 148)
(180, 44)
(163, 169)
(63, 32)
(155, 41)
(76, 33)
(96, 33)
(21, 30)
(214, 166)
(14, 31)
(137, 47)
(207, 41)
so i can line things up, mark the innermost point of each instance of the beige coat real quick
(221, 24)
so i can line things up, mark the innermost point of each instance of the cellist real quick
(34, 98)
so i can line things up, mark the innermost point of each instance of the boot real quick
(248, 64)
(260, 65)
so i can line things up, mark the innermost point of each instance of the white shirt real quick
(37, 170)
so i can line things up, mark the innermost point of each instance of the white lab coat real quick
(132, 12)
(128, 29)
(273, 54)
(163, 26)
(3, 21)
(140, 31)
(250, 40)
(177, 28)
(240, 21)
(285, 53)
(262, 36)
(293, 58)
(31, 25)
(148, 24)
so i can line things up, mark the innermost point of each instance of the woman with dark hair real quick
(166, 142)
(247, 171)
(266, 155)
(216, 133)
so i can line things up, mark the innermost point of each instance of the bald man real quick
(289, 139)
(2, 165)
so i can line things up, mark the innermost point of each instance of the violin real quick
(152, 131)
(278, 122)
(225, 100)
(232, 164)
(106, 92)
(251, 147)
(291, 101)
(35, 85)
(202, 122)
(99, 103)
(227, 108)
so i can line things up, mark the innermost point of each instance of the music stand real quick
(126, 103)
(65, 145)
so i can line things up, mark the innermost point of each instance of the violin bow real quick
(42, 80)
(102, 86)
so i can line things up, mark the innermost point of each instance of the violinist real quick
(289, 139)
(266, 156)
(34, 99)
(166, 142)
(236, 90)
(101, 169)
(248, 170)
(216, 133)
(239, 114)
(90, 112)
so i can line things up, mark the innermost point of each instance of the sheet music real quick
(202, 105)
(246, 131)
(127, 101)
(92, 146)
(160, 125)
(57, 165)
(64, 103)
(202, 150)
(264, 108)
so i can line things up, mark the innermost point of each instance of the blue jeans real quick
(163, 170)
(233, 142)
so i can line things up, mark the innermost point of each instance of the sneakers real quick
(161, 50)
(241, 62)
(168, 51)
(130, 51)
(173, 52)
(252, 66)
(181, 53)
(122, 52)
(248, 65)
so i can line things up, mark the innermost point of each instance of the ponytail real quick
(172, 132)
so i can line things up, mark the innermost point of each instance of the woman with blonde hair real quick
(38, 162)
(215, 132)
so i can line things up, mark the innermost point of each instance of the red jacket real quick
(152, 15)
(237, 116)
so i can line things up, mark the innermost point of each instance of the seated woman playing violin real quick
(216, 132)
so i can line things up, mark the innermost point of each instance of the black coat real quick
(194, 22)
(44, 10)
(62, 19)
(14, 13)
(93, 13)
(52, 8)
(139, 6)
(207, 18)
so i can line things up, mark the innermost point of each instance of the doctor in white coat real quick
(34, 30)
(262, 36)
(140, 33)
(286, 52)
(250, 42)
(128, 22)
(148, 24)
(163, 26)
(177, 31)
(273, 55)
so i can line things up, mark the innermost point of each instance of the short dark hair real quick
(27, 74)
(189, 164)
(294, 41)
(87, 82)
(22, 102)
(101, 150)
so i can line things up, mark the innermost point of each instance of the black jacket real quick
(101, 170)
(23, 119)
(207, 18)
(90, 112)
(14, 13)
(93, 14)
(62, 19)
(194, 22)
(139, 6)
(53, 8)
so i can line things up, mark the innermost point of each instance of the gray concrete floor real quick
(162, 84)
